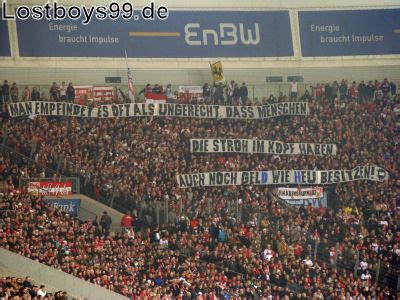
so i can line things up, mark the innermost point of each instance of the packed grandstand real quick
(231, 241)
(18, 288)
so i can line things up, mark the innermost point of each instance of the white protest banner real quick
(42, 108)
(259, 147)
(275, 177)
(300, 193)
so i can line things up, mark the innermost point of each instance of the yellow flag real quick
(217, 73)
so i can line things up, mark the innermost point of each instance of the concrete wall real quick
(74, 286)
(250, 75)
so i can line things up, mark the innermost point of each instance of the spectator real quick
(362, 90)
(35, 95)
(243, 93)
(6, 91)
(393, 88)
(293, 90)
(54, 92)
(170, 94)
(385, 87)
(370, 90)
(207, 93)
(157, 89)
(335, 89)
(14, 92)
(41, 292)
(318, 91)
(105, 223)
(229, 92)
(328, 92)
(271, 99)
(27, 94)
(70, 92)
(27, 282)
(236, 94)
(126, 221)
(378, 86)
(63, 91)
(353, 91)
(343, 90)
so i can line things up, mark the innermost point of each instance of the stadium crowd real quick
(207, 250)
(14, 288)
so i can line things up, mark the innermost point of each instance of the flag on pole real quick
(131, 90)
(217, 73)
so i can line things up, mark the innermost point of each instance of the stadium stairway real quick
(54, 279)
(12, 264)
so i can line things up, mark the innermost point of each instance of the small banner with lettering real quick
(70, 206)
(300, 193)
(99, 94)
(83, 94)
(313, 196)
(190, 93)
(50, 188)
(102, 94)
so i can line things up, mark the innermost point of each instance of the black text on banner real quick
(259, 147)
(40, 108)
(276, 177)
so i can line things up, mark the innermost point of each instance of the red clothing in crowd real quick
(126, 221)
(319, 91)
(353, 91)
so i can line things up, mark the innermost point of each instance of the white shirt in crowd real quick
(365, 276)
(230, 89)
(308, 262)
(63, 90)
(375, 247)
(170, 93)
(41, 293)
(163, 242)
(293, 86)
(268, 254)
(363, 265)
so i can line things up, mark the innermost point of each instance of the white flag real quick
(131, 90)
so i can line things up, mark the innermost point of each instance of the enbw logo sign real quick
(227, 34)
(185, 34)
